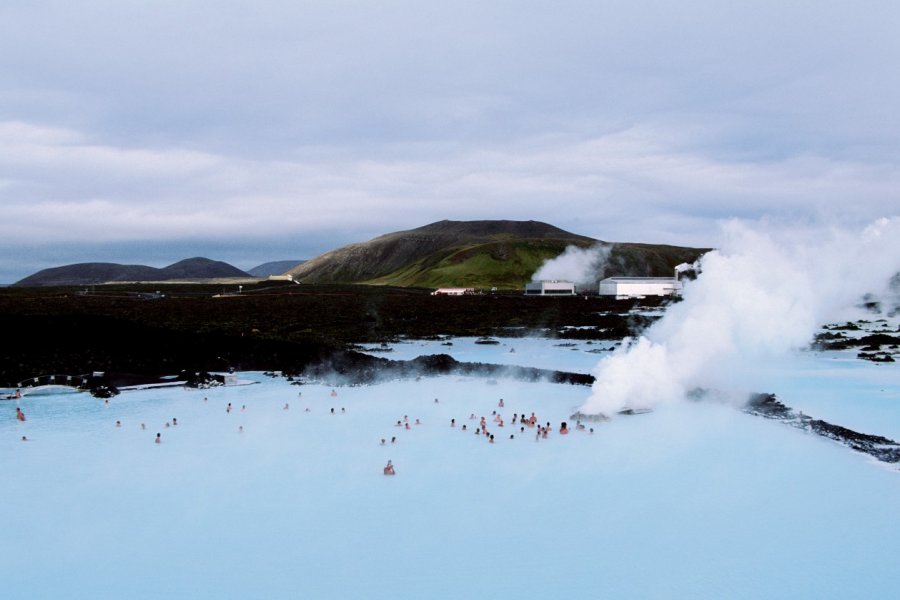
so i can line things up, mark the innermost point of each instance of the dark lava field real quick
(189, 328)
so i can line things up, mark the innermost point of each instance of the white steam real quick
(758, 297)
(582, 266)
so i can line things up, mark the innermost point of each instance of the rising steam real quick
(582, 266)
(758, 297)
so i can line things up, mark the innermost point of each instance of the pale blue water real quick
(691, 501)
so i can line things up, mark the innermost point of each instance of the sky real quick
(148, 132)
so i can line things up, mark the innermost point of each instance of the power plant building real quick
(552, 287)
(639, 287)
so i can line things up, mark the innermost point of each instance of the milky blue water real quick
(695, 500)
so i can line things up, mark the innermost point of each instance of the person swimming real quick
(118, 423)
(389, 469)
(174, 422)
(286, 406)
(394, 439)
(228, 408)
(382, 442)
(452, 422)
(563, 428)
(500, 404)
(333, 394)
(158, 439)
(20, 416)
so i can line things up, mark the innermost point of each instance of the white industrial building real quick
(640, 287)
(551, 287)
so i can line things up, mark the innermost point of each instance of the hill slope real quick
(504, 254)
(96, 273)
(276, 267)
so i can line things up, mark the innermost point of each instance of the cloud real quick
(623, 121)
(59, 185)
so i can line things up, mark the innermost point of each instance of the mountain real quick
(277, 267)
(95, 273)
(501, 254)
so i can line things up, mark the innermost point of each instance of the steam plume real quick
(582, 266)
(759, 296)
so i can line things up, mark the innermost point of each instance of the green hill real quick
(503, 254)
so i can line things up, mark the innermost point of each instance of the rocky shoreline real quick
(881, 448)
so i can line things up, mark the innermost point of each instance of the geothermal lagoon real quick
(693, 500)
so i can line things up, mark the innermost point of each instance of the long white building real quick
(552, 287)
(640, 287)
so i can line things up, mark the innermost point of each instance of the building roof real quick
(640, 280)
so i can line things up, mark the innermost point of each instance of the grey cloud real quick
(641, 120)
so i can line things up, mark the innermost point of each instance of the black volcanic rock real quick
(355, 368)
(879, 447)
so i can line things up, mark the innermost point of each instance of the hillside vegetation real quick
(482, 254)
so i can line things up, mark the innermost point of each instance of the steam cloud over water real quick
(582, 266)
(759, 296)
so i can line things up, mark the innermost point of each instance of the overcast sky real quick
(147, 132)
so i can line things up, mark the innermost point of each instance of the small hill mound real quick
(200, 268)
(97, 273)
